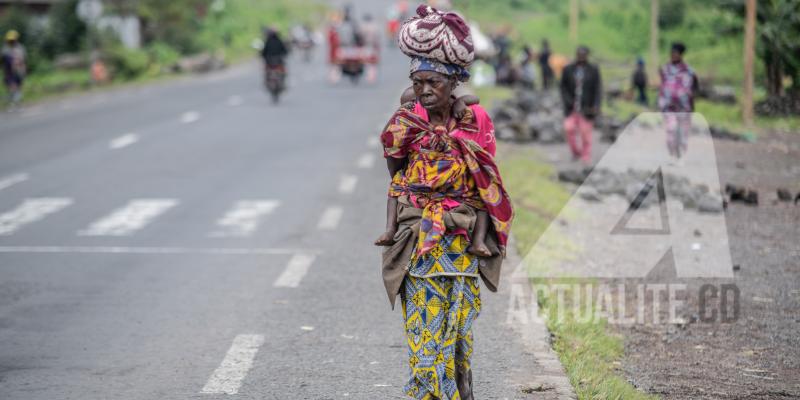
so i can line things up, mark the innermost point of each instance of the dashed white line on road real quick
(347, 184)
(31, 210)
(366, 160)
(221, 251)
(130, 218)
(243, 219)
(330, 218)
(374, 141)
(12, 180)
(190, 117)
(295, 270)
(235, 101)
(123, 141)
(228, 377)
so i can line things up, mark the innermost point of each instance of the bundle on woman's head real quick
(439, 41)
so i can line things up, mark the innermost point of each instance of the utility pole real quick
(574, 15)
(653, 67)
(749, 50)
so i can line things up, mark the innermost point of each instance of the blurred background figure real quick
(303, 40)
(582, 93)
(527, 71)
(370, 37)
(676, 101)
(544, 65)
(274, 55)
(639, 82)
(333, 46)
(14, 60)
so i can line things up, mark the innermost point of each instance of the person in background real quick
(14, 62)
(333, 48)
(527, 71)
(275, 51)
(581, 93)
(544, 65)
(676, 101)
(639, 82)
(372, 46)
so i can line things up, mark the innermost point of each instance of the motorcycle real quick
(275, 80)
(352, 61)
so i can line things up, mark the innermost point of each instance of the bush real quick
(163, 55)
(127, 63)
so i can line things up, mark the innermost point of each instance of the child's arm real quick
(387, 238)
(460, 104)
(394, 165)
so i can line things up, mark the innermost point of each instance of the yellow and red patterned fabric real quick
(447, 166)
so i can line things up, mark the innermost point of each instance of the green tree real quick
(778, 31)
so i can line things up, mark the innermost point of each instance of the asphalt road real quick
(187, 239)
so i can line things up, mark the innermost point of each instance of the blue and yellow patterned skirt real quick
(439, 308)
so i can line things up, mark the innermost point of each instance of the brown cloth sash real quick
(396, 258)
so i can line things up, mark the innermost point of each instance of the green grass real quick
(589, 351)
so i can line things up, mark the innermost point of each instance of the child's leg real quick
(387, 238)
(478, 246)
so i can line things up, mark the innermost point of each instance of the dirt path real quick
(752, 355)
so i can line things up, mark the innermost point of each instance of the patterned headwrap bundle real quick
(439, 36)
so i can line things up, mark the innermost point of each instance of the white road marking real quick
(190, 117)
(347, 184)
(366, 160)
(235, 101)
(295, 270)
(374, 141)
(243, 219)
(31, 210)
(123, 141)
(307, 328)
(12, 180)
(126, 220)
(222, 251)
(228, 377)
(330, 218)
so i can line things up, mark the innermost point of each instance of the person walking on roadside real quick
(544, 65)
(14, 62)
(443, 172)
(639, 82)
(581, 93)
(676, 101)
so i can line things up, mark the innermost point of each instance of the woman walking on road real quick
(443, 173)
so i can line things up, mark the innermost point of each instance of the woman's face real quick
(432, 89)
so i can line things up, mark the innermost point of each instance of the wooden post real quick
(574, 15)
(749, 54)
(653, 67)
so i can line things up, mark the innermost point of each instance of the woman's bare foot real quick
(386, 239)
(479, 249)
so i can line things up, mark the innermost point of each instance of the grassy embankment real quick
(589, 351)
(617, 31)
(229, 33)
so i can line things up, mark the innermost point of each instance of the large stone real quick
(710, 204)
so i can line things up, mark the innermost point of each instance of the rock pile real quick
(530, 115)
(640, 188)
(537, 115)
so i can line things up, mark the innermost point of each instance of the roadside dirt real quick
(754, 354)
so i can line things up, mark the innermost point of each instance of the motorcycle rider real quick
(274, 54)
(275, 51)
